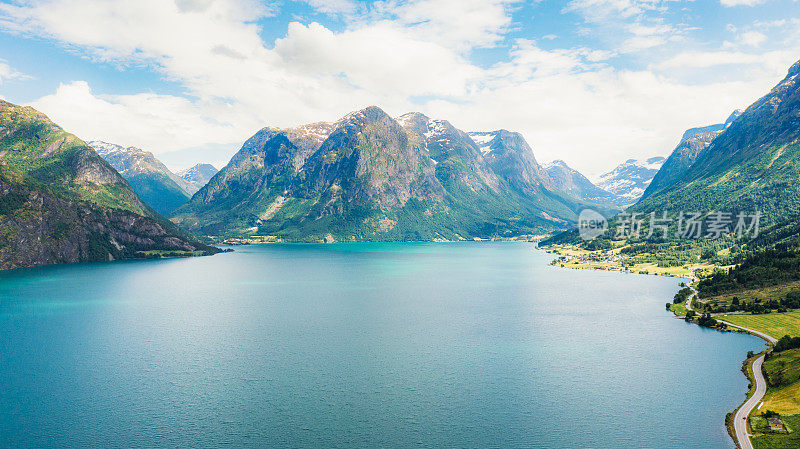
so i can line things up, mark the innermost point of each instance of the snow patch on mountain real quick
(483, 140)
(631, 178)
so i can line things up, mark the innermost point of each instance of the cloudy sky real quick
(592, 82)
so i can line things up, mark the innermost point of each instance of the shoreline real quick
(751, 401)
(740, 437)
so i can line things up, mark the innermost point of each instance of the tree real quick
(786, 342)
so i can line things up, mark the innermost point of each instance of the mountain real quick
(510, 156)
(630, 179)
(678, 163)
(693, 142)
(61, 202)
(155, 184)
(369, 176)
(198, 176)
(711, 128)
(753, 165)
(562, 177)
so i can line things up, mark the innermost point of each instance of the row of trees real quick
(756, 271)
(682, 295)
(790, 301)
(786, 342)
(705, 320)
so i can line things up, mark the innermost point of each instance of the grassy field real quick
(773, 324)
(678, 309)
(790, 441)
(171, 253)
(783, 400)
(766, 293)
(783, 372)
(617, 258)
(612, 260)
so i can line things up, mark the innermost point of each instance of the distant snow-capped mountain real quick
(712, 128)
(198, 176)
(693, 143)
(561, 177)
(155, 184)
(630, 179)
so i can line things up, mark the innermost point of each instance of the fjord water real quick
(358, 345)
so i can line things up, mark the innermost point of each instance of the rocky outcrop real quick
(39, 228)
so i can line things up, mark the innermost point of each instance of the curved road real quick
(756, 333)
(688, 303)
(740, 419)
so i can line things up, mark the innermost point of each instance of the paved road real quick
(756, 333)
(740, 419)
(688, 304)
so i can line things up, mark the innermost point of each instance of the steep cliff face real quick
(460, 165)
(679, 162)
(60, 202)
(40, 228)
(368, 176)
(693, 143)
(511, 158)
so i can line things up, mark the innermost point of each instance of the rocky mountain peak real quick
(375, 177)
(630, 179)
(557, 163)
(794, 70)
(734, 115)
(414, 121)
(369, 114)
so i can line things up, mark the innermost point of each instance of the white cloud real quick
(360, 56)
(592, 115)
(630, 26)
(753, 38)
(7, 73)
(334, 7)
(772, 61)
(570, 103)
(599, 10)
(741, 2)
(162, 122)
(459, 24)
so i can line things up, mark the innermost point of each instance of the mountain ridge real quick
(368, 176)
(60, 202)
(752, 165)
(156, 184)
(197, 176)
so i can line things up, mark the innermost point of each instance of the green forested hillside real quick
(45, 153)
(60, 202)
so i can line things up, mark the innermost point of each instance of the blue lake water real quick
(358, 345)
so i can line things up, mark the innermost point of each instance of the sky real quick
(590, 82)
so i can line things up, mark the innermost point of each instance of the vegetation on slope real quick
(60, 202)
